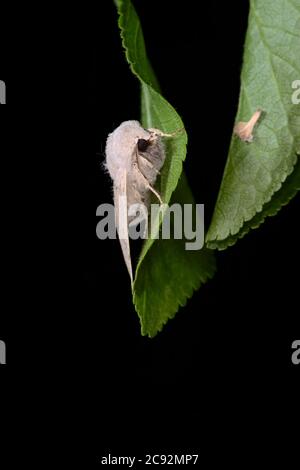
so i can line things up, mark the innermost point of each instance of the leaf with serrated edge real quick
(166, 274)
(258, 178)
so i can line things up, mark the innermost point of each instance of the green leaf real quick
(262, 176)
(166, 274)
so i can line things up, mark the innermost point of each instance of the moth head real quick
(143, 144)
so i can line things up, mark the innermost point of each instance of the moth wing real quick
(121, 216)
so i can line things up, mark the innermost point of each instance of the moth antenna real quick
(158, 132)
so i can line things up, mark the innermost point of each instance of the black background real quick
(218, 379)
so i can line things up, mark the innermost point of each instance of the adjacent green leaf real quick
(260, 177)
(166, 274)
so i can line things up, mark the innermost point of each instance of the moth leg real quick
(148, 185)
(159, 133)
(146, 182)
(147, 162)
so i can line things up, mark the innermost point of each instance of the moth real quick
(134, 157)
(245, 129)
